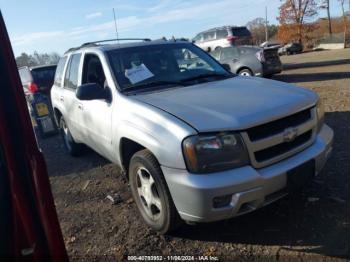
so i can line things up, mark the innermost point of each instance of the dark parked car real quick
(38, 78)
(291, 49)
(249, 60)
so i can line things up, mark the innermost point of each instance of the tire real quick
(73, 148)
(245, 72)
(218, 48)
(151, 194)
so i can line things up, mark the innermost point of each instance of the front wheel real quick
(151, 193)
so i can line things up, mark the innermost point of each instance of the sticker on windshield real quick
(138, 74)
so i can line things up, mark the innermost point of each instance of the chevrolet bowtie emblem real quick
(289, 134)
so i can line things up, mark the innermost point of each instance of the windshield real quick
(163, 65)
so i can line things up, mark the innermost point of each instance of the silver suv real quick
(219, 37)
(196, 142)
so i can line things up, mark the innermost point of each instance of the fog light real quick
(222, 201)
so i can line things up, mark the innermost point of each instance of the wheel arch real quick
(243, 68)
(57, 115)
(127, 148)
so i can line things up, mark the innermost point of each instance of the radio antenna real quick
(115, 24)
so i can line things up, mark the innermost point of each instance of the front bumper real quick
(247, 187)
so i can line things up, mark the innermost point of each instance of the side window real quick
(209, 36)
(71, 79)
(24, 74)
(221, 34)
(229, 53)
(59, 71)
(93, 70)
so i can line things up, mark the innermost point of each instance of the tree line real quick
(37, 59)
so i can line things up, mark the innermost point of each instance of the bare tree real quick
(297, 12)
(345, 20)
(325, 5)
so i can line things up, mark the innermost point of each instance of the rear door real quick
(72, 105)
(57, 95)
(230, 56)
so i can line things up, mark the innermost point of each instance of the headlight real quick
(213, 153)
(320, 114)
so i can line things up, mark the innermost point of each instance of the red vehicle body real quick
(29, 227)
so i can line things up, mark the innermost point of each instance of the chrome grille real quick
(282, 138)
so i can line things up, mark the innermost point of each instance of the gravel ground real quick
(312, 225)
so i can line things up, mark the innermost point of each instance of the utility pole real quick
(266, 28)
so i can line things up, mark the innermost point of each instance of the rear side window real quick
(25, 76)
(71, 78)
(59, 71)
(221, 34)
(229, 53)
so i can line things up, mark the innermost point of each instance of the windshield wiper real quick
(206, 76)
(152, 84)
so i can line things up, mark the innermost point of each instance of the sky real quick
(55, 26)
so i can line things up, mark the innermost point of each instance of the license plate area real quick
(300, 176)
(42, 109)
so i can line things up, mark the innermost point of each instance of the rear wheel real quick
(218, 48)
(73, 148)
(151, 193)
(245, 72)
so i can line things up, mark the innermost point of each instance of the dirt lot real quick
(291, 229)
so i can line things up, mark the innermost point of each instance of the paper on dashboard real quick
(138, 74)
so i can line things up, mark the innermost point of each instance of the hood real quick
(231, 104)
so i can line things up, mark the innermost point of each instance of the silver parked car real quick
(196, 142)
(219, 37)
(249, 60)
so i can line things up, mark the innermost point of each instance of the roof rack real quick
(94, 43)
(116, 39)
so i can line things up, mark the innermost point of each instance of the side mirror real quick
(227, 67)
(92, 91)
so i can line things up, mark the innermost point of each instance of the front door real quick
(96, 114)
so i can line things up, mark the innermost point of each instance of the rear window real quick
(44, 75)
(240, 31)
(25, 76)
(59, 71)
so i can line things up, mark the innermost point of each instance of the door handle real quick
(80, 106)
